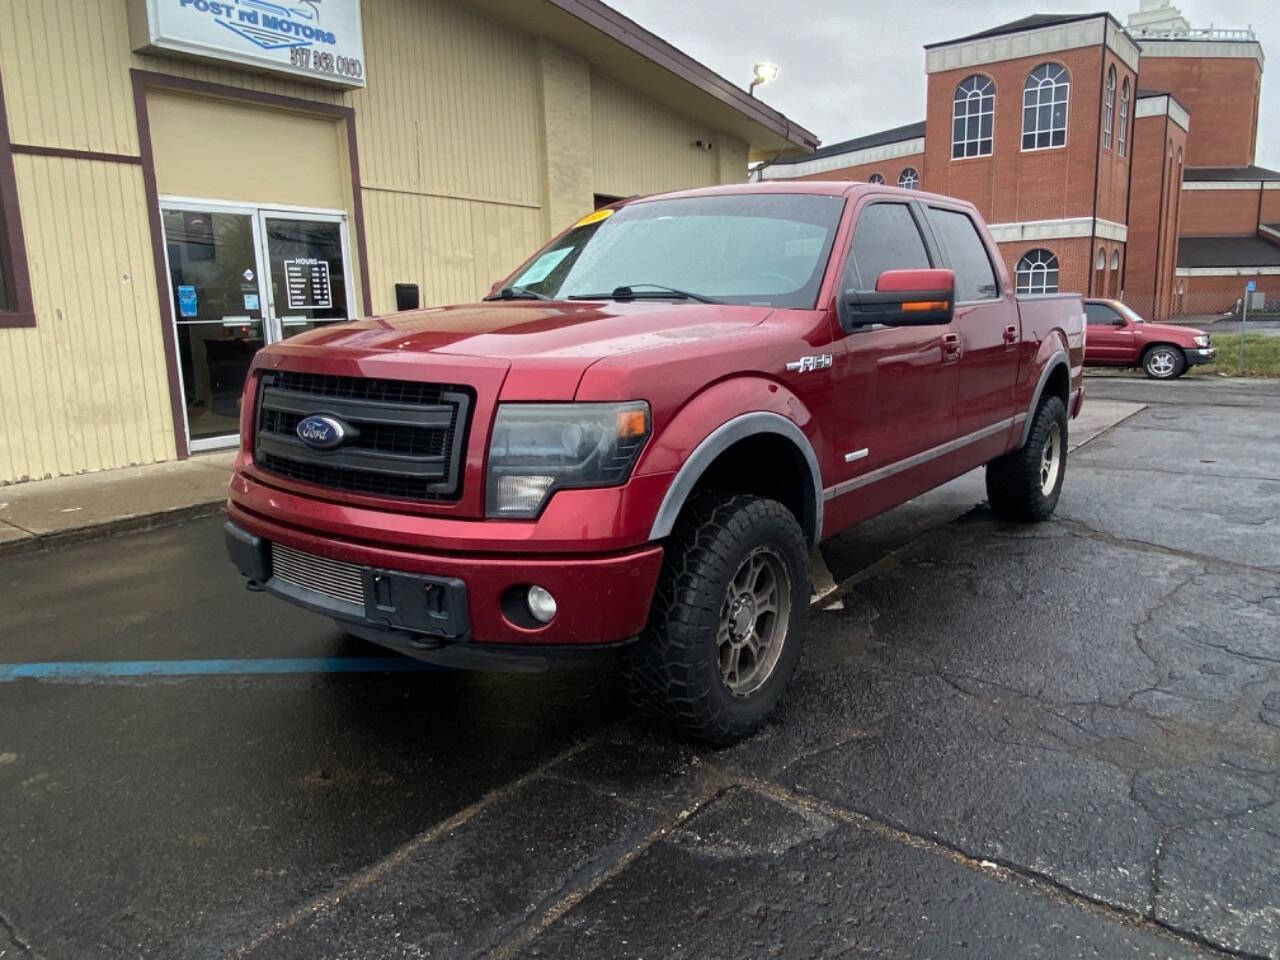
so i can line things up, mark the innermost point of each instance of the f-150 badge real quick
(809, 364)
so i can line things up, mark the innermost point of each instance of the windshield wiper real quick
(659, 292)
(517, 293)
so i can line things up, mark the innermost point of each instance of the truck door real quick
(1111, 337)
(894, 387)
(986, 320)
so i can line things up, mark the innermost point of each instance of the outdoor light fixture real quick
(764, 73)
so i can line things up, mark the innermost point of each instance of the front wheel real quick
(1163, 362)
(727, 621)
(1025, 485)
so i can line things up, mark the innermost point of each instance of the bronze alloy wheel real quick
(753, 621)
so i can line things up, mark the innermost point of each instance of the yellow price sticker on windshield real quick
(595, 217)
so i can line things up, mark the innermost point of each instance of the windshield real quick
(1127, 311)
(765, 249)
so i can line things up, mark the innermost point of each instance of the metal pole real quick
(1244, 317)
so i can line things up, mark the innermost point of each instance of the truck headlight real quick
(539, 448)
(1202, 340)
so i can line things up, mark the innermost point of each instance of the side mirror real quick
(902, 298)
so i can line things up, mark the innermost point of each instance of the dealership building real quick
(1113, 159)
(184, 181)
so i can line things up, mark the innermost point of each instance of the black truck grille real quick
(404, 440)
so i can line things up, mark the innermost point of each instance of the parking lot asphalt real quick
(1058, 741)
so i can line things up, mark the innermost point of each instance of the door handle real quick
(951, 349)
(1011, 335)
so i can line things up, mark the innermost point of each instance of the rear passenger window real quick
(886, 238)
(966, 253)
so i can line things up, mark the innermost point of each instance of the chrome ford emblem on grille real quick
(322, 431)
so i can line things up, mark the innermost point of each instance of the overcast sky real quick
(852, 67)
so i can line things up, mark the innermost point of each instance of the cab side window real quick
(1101, 316)
(886, 238)
(966, 254)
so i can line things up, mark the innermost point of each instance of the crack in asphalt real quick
(1078, 528)
(579, 892)
(374, 872)
(1149, 620)
(10, 933)
(1004, 870)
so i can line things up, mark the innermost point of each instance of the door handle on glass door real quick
(951, 348)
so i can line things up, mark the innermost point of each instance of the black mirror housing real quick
(899, 308)
(902, 298)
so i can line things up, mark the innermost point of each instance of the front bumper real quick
(421, 603)
(1198, 355)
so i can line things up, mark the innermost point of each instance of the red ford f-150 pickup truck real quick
(638, 438)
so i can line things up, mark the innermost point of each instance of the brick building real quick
(1110, 160)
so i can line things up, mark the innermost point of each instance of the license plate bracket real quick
(435, 606)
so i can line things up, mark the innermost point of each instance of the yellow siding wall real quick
(245, 153)
(454, 175)
(455, 249)
(86, 389)
(452, 104)
(641, 148)
(451, 153)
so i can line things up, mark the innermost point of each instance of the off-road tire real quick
(1015, 482)
(1173, 366)
(672, 672)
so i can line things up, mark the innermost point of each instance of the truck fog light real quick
(541, 604)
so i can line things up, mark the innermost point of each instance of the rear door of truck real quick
(986, 324)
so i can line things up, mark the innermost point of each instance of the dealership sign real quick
(316, 39)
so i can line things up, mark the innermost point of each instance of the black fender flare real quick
(1058, 359)
(721, 439)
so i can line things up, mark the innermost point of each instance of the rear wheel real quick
(1025, 485)
(1164, 362)
(727, 621)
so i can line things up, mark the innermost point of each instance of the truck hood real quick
(548, 345)
(1183, 336)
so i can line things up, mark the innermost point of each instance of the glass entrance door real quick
(308, 280)
(215, 286)
(239, 278)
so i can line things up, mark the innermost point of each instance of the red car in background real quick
(1118, 337)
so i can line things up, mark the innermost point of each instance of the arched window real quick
(1101, 263)
(909, 179)
(1044, 107)
(1115, 259)
(1038, 272)
(1109, 116)
(973, 118)
(875, 178)
(1123, 135)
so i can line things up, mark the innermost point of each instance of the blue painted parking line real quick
(90, 670)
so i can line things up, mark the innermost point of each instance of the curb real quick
(119, 526)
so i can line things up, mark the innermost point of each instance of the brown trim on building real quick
(14, 270)
(144, 80)
(32, 150)
(156, 226)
